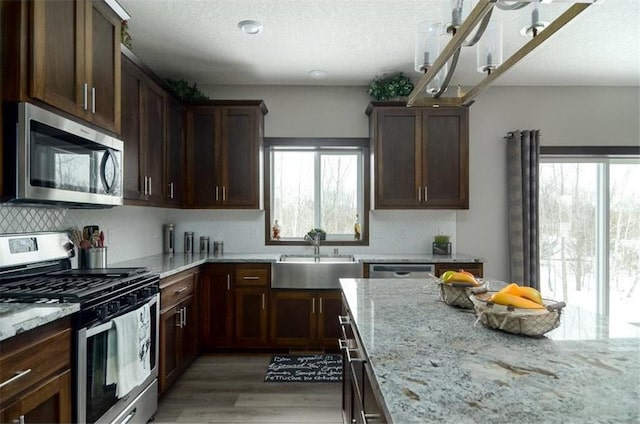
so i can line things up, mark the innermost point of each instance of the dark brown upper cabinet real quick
(420, 156)
(175, 152)
(224, 154)
(64, 53)
(143, 134)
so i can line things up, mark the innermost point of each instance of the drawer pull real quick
(180, 290)
(367, 417)
(18, 375)
(250, 278)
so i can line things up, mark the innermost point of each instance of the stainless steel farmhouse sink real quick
(313, 272)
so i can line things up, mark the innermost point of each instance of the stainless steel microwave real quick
(49, 159)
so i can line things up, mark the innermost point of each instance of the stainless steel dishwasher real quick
(400, 270)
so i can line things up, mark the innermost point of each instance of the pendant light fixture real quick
(464, 28)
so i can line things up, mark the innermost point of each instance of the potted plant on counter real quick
(441, 245)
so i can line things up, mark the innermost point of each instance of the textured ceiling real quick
(355, 40)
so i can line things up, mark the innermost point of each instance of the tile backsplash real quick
(133, 232)
(20, 219)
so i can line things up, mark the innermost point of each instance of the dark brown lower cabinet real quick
(306, 318)
(252, 316)
(217, 324)
(361, 398)
(43, 393)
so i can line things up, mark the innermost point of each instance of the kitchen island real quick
(430, 363)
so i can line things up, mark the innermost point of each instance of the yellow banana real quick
(515, 301)
(512, 288)
(531, 294)
(463, 278)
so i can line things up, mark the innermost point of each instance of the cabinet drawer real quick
(32, 357)
(252, 275)
(176, 288)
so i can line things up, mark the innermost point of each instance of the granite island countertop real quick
(433, 365)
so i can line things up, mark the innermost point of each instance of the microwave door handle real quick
(108, 186)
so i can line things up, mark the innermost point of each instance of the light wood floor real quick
(231, 389)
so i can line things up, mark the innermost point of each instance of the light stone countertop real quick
(167, 265)
(433, 365)
(16, 318)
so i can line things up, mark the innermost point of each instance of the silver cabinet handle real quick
(313, 305)
(228, 282)
(250, 278)
(146, 185)
(425, 193)
(320, 305)
(85, 88)
(19, 420)
(263, 301)
(342, 344)
(171, 190)
(179, 321)
(180, 290)
(419, 194)
(149, 186)
(224, 194)
(343, 320)
(184, 313)
(216, 193)
(19, 374)
(93, 100)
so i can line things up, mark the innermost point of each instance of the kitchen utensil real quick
(89, 230)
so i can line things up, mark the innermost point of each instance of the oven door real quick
(97, 400)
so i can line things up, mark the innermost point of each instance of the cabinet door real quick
(152, 123)
(47, 403)
(174, 159)
(445, 158)
(204, 185)
(251, 316)
(189, 332)
(329, 308)
(57, 60)
(169, 348)
(240, 144)
(397, 158)
(133, 178)
(218, 319)
(103, 64)
(293, 318)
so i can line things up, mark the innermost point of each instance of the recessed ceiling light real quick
(318, 74)
(250, 27)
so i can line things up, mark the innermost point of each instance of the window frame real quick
(361, 144)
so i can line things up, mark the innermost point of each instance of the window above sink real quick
(317, 183)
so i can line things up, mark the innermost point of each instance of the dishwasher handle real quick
(400, 270)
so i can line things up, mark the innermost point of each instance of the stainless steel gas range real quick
(115, 333)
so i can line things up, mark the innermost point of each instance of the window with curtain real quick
(317, 184)
(590, 232)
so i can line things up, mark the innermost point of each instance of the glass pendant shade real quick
(429, 38)
(456, 12)
(489, 55)
(533, 25)
(427, 45)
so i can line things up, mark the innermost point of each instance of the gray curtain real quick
(523, 152)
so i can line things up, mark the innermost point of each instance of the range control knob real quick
(102, 311)
(132, 298)
(113, 307)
